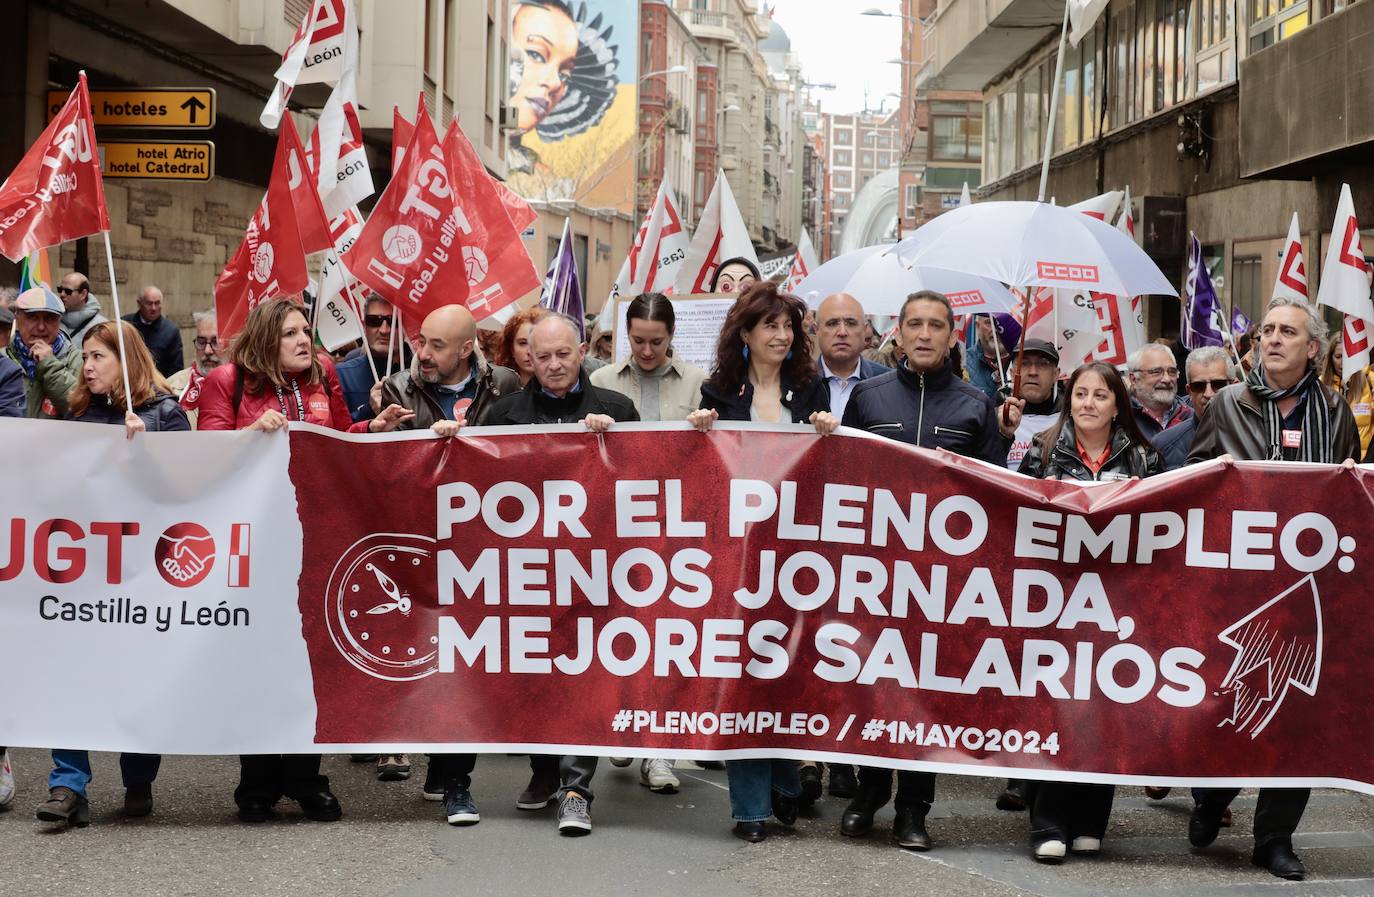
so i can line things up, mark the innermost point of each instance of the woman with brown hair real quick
(764, 372)
(1358, 392)
(275, 375)
(98, 396)
(514, 349)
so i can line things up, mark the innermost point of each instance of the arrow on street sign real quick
(193, 105)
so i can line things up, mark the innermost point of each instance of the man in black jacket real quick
(160, 335)
(560, 393)
(924, 404)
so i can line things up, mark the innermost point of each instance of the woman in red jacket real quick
(274, 377)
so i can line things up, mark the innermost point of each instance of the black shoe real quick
(909, 829)
(1203, 826)
(255, 809)
(433, 788)
(1013, 797)
(459, 807)
(65, 805)
(1278, 857)
(810, 785)
(785, 808)
(320, 806)
(363, 758)
(843, 782)
(753, 832)
(857, 820)
(138, 800)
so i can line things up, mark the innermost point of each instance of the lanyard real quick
(300, 405)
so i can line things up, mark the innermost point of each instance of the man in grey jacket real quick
(81, 310)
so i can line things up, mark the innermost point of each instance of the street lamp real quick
(675, 70)
(875, 11)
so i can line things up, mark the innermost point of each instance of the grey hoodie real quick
(76, 323)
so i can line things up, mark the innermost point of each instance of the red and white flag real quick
(1345, 285)
(658, 252)
(499, 270)
(1103, 207)
(721, 235)
(803, 263)
(401, 132)
(190, 396)
(338, 319)
(1126, 223)
(408, 250)
(310, 216)
(1291, 282)
(55, 193)
(336, 155)
(317, 54)
(270, 261)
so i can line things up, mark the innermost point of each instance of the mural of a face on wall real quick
(562, 73)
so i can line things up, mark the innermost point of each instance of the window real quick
(884, 141)
(913, 200)
(1216, 57)
(1030, 134)
(992, 153)
(956, 131)
(869, 138)
(844, 137)
(1275, 20)
(844, 157)
(882, 160)
(841, 200)
(1007, 116)
(842, 181)
(865, 159)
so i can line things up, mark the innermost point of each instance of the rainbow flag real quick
(34, 270)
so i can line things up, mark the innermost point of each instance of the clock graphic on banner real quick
(373, 606)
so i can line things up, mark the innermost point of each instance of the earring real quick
(789, 354)
(746, 353)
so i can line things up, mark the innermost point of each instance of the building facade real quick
(859, 147)
(1222, 117)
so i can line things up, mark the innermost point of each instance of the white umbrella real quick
(881, 281)
(1030, 244)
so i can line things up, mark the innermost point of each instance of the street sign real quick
(148, 107)
(159, 160)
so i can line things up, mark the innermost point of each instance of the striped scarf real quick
(1316, 428)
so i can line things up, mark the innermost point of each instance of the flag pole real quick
(1054, 107)
(119, 328)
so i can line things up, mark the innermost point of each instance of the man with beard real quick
(1153, 379)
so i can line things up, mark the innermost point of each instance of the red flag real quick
(499, 269)
(314, 223)
(270, 261)
(401, 132)
(55, 194)
(520, 213)
(408, 250)
(190, 396)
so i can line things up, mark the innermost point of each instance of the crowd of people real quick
(776, 361)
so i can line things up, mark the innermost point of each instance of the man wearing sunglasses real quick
(355, 373)
(1209, 372)
(81, 307)
(1153, 379)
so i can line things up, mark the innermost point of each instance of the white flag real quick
(1083, 15)
(1345, 285)
(965, 197)
(1291, 281)
(803, 263)
(721, 235)
(347, 179)
(317, 54)
(658, 250)
(338, 320)
(1126, 223)
(1103, 207)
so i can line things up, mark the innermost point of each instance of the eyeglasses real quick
(206, 342)
(1158, 372)
(376, 320)
(1200, 386)
(67, 291)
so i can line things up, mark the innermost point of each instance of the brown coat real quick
(1234, 425)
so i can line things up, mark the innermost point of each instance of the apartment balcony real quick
(706, 24)
(968, 43)
(1327, 65)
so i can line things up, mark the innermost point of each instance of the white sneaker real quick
(621, 762)
(657, 776)
(1086, 845)
(1051, 852)
(6, 779)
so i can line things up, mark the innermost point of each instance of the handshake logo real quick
(185, 555)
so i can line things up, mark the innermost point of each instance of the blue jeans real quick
(752, 783)
(72, 769)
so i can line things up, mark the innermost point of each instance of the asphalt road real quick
(391, 843)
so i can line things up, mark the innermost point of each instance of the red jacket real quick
(324, 402)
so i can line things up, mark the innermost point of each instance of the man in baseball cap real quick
(50, 361)
(1038, 367)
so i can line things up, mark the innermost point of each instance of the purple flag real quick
(1239, 322)
(562, 290)
(1202, 316)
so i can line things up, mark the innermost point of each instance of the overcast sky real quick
(837, 45)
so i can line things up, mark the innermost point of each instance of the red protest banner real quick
(55, 194)
(772, 593)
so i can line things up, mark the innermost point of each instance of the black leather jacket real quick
(1123, 462)
(934, 409)
(532, 405)
(405, 388)
(1234, 425)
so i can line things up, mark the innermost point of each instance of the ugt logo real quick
(185, 555)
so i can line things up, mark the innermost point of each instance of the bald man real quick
(449, 384)
(840, 331)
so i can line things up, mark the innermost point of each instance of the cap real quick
(39, 299)
(1042, 347)
(6, 316)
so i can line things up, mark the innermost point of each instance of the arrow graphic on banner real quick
(192, 106)
(1278, 645)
